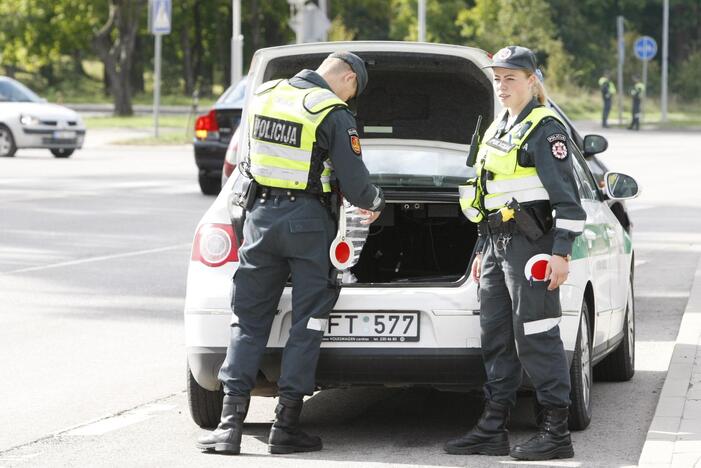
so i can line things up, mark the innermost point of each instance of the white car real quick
(412, 315)
(28, 121)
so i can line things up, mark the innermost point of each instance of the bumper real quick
(209, 156)
(51, 138)
(441, 367)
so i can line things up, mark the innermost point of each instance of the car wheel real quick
(205, 405)
(619, 366)
(7, 143)
(581, 376)
(62, 152)
(209, 185)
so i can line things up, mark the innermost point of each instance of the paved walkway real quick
(674, 437)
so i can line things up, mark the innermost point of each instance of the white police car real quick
(28, 121)
(411, 315)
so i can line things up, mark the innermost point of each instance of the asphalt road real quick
(93, 258)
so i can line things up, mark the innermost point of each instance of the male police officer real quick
(636, 92)
(301, 134)
(608, 89)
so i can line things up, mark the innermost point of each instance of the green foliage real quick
(47, 43)
(686, 82)
(440, 20)
(493, 24)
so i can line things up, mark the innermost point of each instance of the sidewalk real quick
(674, 437)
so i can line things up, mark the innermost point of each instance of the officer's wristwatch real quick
(567, 257)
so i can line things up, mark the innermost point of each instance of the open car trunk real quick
(415, 119)
(417, 242)
(411, 95)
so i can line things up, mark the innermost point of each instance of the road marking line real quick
(639, 263)
(120, 421)
(96, 259)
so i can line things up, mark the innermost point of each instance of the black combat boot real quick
(226, 438)
(488, 437)
(285, 435)
(551, 441)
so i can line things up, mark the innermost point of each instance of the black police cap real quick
(515, 57)
(358, 67)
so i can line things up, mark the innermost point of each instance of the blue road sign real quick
(645, 48)
(159, 16)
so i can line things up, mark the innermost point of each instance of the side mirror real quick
(620, 186)
(594, 144)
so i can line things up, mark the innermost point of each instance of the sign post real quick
(159, 14)
(645, 49)
(621, 60)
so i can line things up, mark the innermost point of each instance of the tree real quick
(114, 44)
(493, 24)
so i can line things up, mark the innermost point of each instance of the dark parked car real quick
(213, 131)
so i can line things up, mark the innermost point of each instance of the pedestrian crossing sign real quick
(159, 16)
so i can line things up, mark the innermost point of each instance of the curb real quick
(674, 436)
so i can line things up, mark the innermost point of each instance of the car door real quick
(598, 239)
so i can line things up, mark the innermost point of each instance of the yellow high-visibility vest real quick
(508, 180)
(283, 121)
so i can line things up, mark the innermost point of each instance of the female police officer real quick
(524, 177)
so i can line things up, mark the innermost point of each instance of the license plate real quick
(373, 326)
(62, 135)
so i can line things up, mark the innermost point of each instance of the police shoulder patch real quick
(354, 141)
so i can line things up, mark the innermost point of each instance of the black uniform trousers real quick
(518, 319)
(605, 112)
(281, 237)
(635, 122)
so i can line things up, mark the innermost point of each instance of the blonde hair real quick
(538, 89)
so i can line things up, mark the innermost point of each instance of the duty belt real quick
(269, 192)
(486, 228)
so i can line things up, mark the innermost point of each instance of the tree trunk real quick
(186, 44)
(117, 53)
(136, 78)
(197, 46)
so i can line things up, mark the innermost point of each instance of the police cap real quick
(515, 57)
(358, 67)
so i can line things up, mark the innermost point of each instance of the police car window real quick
(587, 187)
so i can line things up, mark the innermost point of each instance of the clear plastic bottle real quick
(356, 233)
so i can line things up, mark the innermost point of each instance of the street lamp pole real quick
(422, 20)
(665, 51)
(236, 43)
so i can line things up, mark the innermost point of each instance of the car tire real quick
(209, 185)
(619, 366)
(62, 152)
(7, 143)
(205, 405)
(581, 376)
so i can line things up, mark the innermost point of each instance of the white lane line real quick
(97, 259)
(639, 263)
(120, 421)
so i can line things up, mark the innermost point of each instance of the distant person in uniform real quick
(303, 145)
(637, 92)
(608, 89)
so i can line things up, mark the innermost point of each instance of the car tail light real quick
(215, 245)
(206, 125)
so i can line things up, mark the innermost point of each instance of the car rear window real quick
(234, 96)
(413, 167)
(412, 95)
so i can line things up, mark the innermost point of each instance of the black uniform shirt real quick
(550, 151)
(337, 137)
